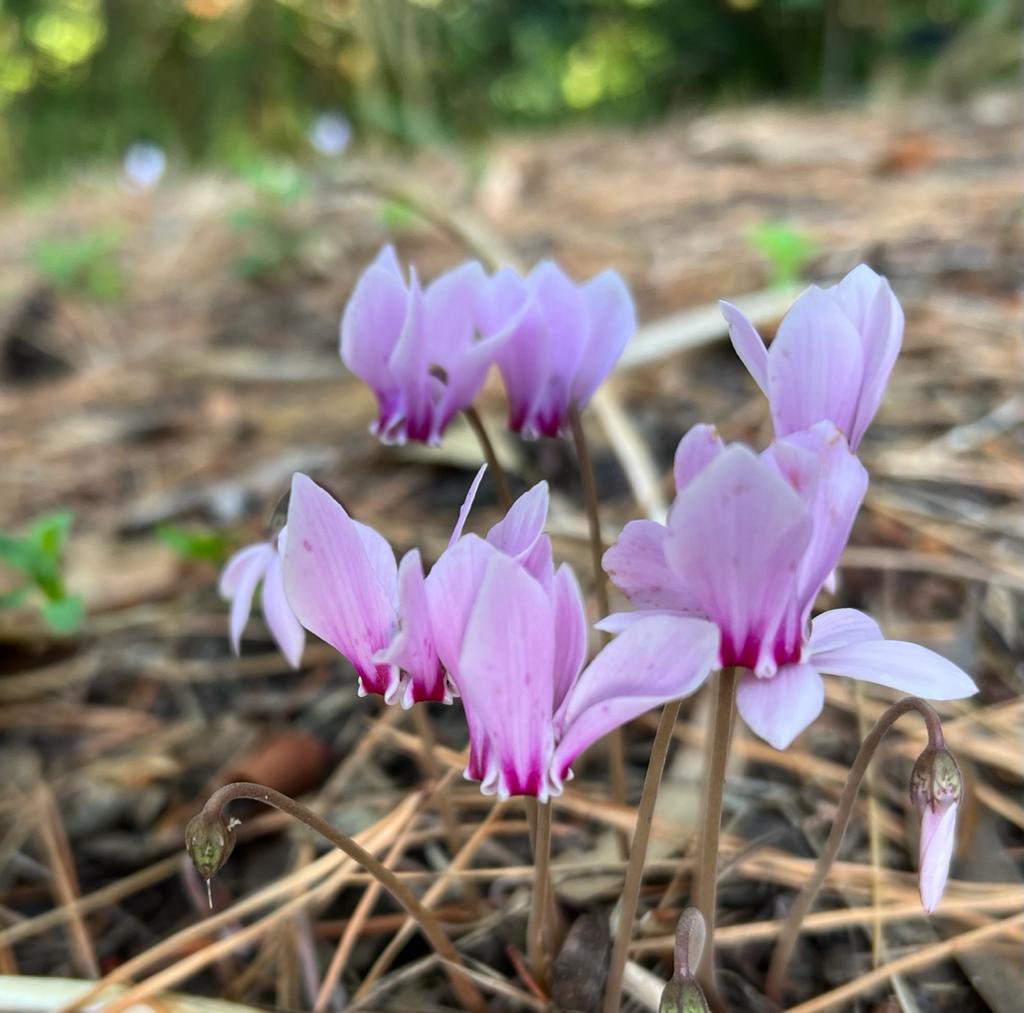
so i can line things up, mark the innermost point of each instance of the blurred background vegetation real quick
(227, 81)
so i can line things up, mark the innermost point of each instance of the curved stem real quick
(490, 456)
(716, 753)
(637, 855)
(791, 929)
(430, 926)
(538, 910)
(616, 748)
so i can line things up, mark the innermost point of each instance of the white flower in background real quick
(330, 133)
(143, 166)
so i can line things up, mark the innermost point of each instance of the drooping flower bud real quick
(209, 840)
(682, 994)
(936, 788)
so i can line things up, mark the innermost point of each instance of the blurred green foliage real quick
(195, 544)
(87, 264)
(786, 249)
(228, 79)
(37, 557)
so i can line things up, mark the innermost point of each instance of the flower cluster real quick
(730, 580)
(425, 352)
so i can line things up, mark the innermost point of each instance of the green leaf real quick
(787, 249)
(49, 533)
(10, 599)
(19, 553)
(64, 615)
(194, 543)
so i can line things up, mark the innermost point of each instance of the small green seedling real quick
(37, 557)
(787, 250)
(195, 544)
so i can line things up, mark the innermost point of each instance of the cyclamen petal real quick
(781, 707)
(338, 589)
(241, 577)
(696, 450)
(412, 648)
(839, 628)
(517, 532)
(637, 566)
(899, 665)
(286, 630)
(938, 837)
(656, 659)
(749, 345)
(612, 323)
(506, 672)
(570, 623)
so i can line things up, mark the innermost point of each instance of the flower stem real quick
(538, 911)
(844, 810)
(500, 480)
(211, 819)
(637, 855)
(616, 747)
(716, 753)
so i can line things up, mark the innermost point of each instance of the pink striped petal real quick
(748, 343)
(506, 671)
(657, 659)
(412, 647)
(338, 589)
(938, 837)
(372, 324)
(637, 566)
(284, 627)
(696, 450)
(467, 505)
(570, 631)
(815, 366)
(517, 532)
(781, 707)
(241, 577)
(234, 573)
(897, 664)
(612, 320)
(840, 628)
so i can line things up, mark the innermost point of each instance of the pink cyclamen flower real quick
(750, 540)
(343, 582)
(514, 644)
(417, 348)
(831, 357)
(936, 789)
(563, 340)
(238, 582)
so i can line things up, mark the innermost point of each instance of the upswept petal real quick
(938, 837)
(619, 622)
(387, 259)
(657, 659)
(570, 631)
(412, 647)
(409, 364)
(839, 628)
(564, 312)
(506, 666)
(451, 588)
(372, 324)
(449, 318)
(749, 345)
(897, 664)
(286, 630)
(234, 573)
(517, 532)
(612, 320)
(244, 577)
(523, 361)
(815, 366)
(467, 505)
(736, 537)
(696, 450)
(637, 566)
(868, 300)
(831, 481)
(334, 586)
(781, 707)
(539, 562)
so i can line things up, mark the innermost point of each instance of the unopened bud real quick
(935, 782)
(209, 840)
(682, 994)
